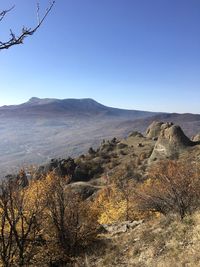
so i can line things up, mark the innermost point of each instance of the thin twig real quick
(4, 12)
(15, 40)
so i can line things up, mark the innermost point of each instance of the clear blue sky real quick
(138, 54)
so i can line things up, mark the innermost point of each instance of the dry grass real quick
(160, 242)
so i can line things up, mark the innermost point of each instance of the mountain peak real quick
(40, 101)
(33, 99)
(37, 100)
(72, 107)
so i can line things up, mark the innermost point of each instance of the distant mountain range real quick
(40, 129)
(81, 108)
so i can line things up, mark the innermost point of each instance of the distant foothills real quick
(41, 129)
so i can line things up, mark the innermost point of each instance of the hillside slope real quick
(41, 129)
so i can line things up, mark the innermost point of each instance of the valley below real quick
(42, 129)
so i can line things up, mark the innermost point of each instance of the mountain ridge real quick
(86, 106)
(36, 101)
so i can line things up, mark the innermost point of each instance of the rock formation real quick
(171, 141)
(135, 134)
(196, 138)
(154, 129)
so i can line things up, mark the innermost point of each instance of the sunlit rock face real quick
(171, 141)
(196, 138)
(154, 129)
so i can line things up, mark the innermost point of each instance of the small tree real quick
(127, 190)
(19, 223)
(71, 223)
(173, 186)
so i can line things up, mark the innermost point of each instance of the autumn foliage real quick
(172, 187)
(44, 224)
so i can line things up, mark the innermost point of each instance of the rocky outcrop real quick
(62, 167)
(171, 141)
(135, 134)
(196, 138)
(154, 129)
(121, 227)
(84, 189)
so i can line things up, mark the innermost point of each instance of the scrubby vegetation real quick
(44, 224)
(172, 187)
(104, 208)
(48, 222)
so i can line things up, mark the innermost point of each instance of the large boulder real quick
(84, 189)
(121, 227)
(154, 129)
(171, 141)
(135, 134)
(62, 167)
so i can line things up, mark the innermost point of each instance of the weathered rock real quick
(121, 145)
(154, 129)
(62, 167)
(121, 227)
(174, 135)
(170, 143)
(135, 134)
(196, 138)
(84, 189)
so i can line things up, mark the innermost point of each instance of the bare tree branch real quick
(4, 12)
(15, 40)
